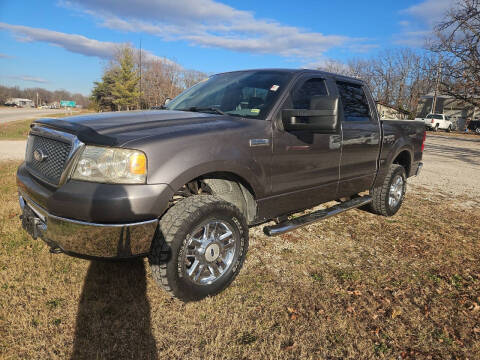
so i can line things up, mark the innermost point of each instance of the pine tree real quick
(126, 80)
(102, 95)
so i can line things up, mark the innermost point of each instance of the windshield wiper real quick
(204, 109)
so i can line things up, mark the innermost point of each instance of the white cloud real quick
(430, 11)
(5, 56)
(71, 42)
(29, 79)
(212, 24)
(422, 17)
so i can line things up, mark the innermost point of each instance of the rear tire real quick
(189, 258)
(388, 198)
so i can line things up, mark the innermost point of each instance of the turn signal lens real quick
(138, 164)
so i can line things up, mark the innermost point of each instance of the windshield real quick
(246, 94)
(433, 116)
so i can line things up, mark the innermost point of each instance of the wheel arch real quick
(227, 185)
(404, 157)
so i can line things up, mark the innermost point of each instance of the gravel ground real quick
(451, 164)
(12, 149)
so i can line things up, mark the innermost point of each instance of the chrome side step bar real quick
(308, 219)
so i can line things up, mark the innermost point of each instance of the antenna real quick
(140, 97)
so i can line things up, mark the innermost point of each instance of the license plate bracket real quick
(30, 222)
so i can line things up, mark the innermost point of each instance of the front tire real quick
(388, 198)
(449, 128)
(435, 128)
(200, 247)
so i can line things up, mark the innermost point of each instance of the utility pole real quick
(435, 94)
(140, 100)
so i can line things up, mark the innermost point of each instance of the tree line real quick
(44, 96)
(130, 83)
(396, 77)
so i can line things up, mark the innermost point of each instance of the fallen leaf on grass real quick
(475, 307)
(396, 313)
(290, 347)
(355, 292)
(292, 313)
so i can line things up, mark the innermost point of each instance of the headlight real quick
(111, 165)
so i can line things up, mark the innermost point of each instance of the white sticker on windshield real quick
(274, 88)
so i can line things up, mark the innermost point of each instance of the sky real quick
(65, 44)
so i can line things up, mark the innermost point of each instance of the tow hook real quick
(56, 250)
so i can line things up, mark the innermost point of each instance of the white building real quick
(457, 110)
(389, 112)
(19, 102)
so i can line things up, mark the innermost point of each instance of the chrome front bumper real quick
(86, 239)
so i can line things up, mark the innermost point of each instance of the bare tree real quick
(396, 77)
(457, 43)
(192, 77)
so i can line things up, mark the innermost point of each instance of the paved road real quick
(451, 164)
(13, 114)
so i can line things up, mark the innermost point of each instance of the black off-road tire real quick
(175, 227)
(435, 129)
(449, 128)
(380, 195)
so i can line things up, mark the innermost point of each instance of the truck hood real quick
(118, 128)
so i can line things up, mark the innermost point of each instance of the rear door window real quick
(355, 104)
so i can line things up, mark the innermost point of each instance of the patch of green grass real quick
(246, 338)
(345, 275)
(54, 303)
(317, 277)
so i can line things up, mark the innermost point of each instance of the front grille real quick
(56, 154)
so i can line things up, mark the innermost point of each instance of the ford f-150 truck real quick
(182, 185)
(436, 122)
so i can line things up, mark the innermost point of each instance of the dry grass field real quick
(356, 286)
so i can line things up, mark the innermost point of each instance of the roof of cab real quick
(306, 71)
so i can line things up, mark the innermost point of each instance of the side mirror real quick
(167, 100)
(321, 117)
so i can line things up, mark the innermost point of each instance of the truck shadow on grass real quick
(113, 319)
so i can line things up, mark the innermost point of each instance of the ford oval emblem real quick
(39, 155)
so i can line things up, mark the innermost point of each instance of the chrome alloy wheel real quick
(209, 252)
(396, 191)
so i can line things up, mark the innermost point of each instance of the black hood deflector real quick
(84, 133)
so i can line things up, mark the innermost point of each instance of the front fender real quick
(177, 163)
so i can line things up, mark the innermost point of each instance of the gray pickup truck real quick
(183, 184)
